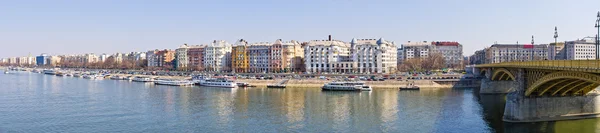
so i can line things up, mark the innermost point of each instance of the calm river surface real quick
(32, 102)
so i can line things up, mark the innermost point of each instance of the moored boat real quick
(215, 82)
(142, 79)
(117, 77)
(173, 82)
(60, 74)
(275, 86)
(346, 86)
(242, 84)
(410, 86)
(92, 76)
(49, 72)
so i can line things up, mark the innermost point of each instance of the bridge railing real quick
(589, 65)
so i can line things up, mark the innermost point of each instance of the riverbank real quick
(318, 83)
(308, 82)
(389, 84)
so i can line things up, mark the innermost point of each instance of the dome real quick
(380, 41)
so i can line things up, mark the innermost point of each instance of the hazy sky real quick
(109, 26)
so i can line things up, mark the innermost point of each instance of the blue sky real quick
(109, 26)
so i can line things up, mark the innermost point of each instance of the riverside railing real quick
(571, 65)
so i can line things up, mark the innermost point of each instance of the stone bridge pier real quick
(489, 85)
(536, 95)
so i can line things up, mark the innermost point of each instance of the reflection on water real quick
(42, 103)
(493, 110)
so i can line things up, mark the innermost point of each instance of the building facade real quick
(217, 56)
(151, 58)
(196, 57)
(165, 58)
(292, 59)
(374, 55)
(181, 56)
(416, 49)
(452, 53)
(259, 57)
(328, 56)
(556, 51)
(41, 60)
(580, 49)
(239, 57)
(498, 53)
(400, 56)
(478, 58)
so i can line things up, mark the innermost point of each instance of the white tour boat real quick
(214, 82)
(346, 86)
(142, 79)
(173, 82)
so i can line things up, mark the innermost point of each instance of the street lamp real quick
(532, 49)
(597, 26)
(555, 42)
(518, 56)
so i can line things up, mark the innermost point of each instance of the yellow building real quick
(239, 57)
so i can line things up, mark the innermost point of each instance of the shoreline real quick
(318, 83)
(389, 84)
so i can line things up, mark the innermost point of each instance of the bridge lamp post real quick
(517, 53)
(597, 26)
(555, 43)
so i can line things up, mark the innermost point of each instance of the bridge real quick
(544, 90)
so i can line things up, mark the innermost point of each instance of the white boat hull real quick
(174, 83)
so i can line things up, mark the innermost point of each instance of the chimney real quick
(329, 37)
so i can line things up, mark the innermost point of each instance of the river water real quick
(32, 102)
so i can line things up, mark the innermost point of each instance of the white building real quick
(217, 56)
(451, 51)
(374, 56)
(416, 49)
(259, 57)
(328, 56)
(516, 52)
(581, 49)
(12, 60)
(140, 56)
(118, 57)
(91, 58)
(181, 57)
(103, 57)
